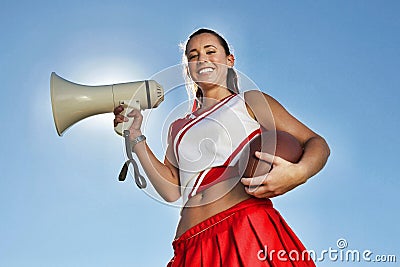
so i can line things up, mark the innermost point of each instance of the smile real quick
(205, 70)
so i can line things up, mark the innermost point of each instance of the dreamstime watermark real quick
(340, 253)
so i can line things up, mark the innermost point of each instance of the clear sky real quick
(332, 64)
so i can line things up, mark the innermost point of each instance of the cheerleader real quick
(227, 219)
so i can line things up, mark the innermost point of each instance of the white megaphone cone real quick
(73, 102)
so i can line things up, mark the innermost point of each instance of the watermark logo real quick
(341, 243)
(340, 253)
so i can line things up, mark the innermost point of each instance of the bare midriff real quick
(205, 204)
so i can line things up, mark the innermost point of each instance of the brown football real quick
(278, 143)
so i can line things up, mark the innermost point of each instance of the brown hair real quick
(231, 79)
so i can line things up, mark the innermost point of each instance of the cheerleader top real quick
(208, 145)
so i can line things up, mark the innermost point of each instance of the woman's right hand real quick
(134, 115)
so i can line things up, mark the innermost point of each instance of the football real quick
(278, 143)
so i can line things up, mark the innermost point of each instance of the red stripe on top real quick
(199, 118)
(216, 175)
(241, 145)
(223, 172)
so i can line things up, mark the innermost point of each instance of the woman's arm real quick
(163, 176)
(285, 175)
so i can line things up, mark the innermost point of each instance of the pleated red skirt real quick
(251, 233)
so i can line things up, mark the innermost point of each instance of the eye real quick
(190, 57)
(210, 52)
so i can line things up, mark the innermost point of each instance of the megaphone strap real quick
(139, 179)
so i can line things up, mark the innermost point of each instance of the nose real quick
(202, 57)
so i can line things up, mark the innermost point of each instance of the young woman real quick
(227, 219)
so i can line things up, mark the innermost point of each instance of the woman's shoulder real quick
(257, 97)
(262, 107)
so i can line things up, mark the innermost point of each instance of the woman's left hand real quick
(283, 177)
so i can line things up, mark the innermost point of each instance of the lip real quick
(204, 70)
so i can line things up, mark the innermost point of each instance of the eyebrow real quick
(206, 46)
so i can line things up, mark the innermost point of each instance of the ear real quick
(230, 60)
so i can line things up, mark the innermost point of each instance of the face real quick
(207, 60)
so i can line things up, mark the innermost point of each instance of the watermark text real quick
(339, 253)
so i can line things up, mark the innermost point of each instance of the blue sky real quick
(332, 64)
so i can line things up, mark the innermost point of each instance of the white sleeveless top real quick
(211, 141)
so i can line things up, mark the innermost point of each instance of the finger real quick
(268, 157)
(254, 181)
(250, 190)
(118, 109)
(259, 191)
(121, 118)
(265, 156)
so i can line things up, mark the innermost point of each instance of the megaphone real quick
(73, 102)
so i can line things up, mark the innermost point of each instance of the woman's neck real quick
(213, 95)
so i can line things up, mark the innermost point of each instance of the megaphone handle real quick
(134, 104)
(139, 179)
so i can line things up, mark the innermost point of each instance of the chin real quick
(207, 85)
(210, 83)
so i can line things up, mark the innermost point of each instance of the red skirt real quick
(251, 233)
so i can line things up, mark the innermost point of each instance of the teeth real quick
(205, 70)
